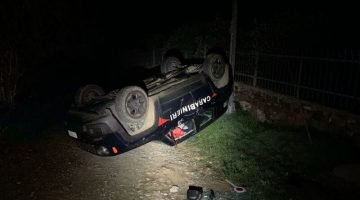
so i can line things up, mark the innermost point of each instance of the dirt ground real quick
(55, 168)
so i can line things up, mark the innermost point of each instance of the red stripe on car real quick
(162, 121)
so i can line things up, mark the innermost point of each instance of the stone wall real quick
(273, 108)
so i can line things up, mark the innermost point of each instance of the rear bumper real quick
(105, 136)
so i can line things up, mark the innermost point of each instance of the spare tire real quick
(170, 64)
(216, 69)
(131, 106)
(87, 93)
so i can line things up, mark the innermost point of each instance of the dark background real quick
(62, 45)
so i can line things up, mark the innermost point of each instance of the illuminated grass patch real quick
(266, 158)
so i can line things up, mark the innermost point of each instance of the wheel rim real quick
(135, 104)
(217, 68)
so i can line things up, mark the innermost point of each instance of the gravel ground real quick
(55, 168)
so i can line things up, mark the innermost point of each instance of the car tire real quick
(216, 69)
(87, 93)
(170, 64)
(131, 106)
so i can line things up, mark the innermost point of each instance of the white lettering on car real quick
(190, 107)
(173, 116)
(204, 99)
(201, 102)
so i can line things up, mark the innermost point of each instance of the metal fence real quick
(330, 82)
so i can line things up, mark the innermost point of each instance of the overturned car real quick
(171, 106)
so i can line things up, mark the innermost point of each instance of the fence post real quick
(298, 83)
(232, 59)
(256, 68)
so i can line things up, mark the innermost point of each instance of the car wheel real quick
(170, 64)
(87, 93)
(215, 67)
(132, 106)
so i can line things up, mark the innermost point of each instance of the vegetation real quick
(273, 162)
(197, 38)
(9, 77)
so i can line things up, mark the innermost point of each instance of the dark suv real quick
(171, 106)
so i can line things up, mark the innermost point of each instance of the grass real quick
(267, 158)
